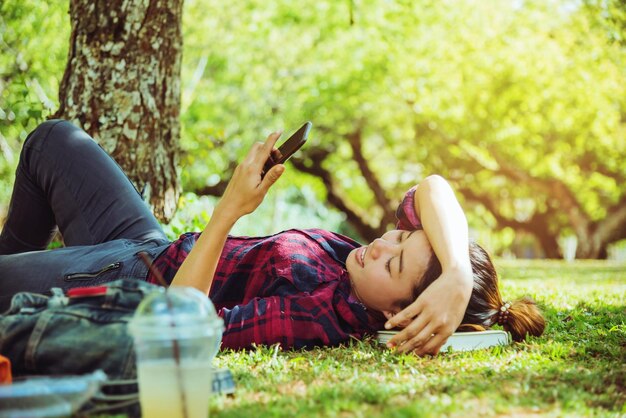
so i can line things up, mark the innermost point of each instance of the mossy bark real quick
(122, 85)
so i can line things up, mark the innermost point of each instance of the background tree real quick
(122, 85)
(520, 104)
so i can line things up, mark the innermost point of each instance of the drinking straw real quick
(175, 347)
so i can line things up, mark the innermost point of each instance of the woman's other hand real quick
(433, 317)
(439, 310)
(246, 189)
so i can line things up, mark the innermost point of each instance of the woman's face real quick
(385, 272)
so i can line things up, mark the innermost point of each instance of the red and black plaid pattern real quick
(290, 288)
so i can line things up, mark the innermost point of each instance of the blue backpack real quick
(60, 335)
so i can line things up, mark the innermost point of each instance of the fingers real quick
(424, 343)
(433, 346)
(405, 316)
(421, 337)
(271, 176)
(268, 146)
(421, 343)
(260, 151)
(423, 333)
(276, 155)
(412, 336)
(410, 320)
(268, 150)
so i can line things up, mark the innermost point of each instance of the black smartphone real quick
(289, 147)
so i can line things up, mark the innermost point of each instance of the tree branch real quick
(613, 227)
(538, 225)
(355, 140)
(489, 204)
(215, 190)
(591, 163)
(553, 188)
(218, 188)
(316, 156)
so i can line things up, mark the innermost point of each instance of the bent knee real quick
(40, 134)
(59, 131)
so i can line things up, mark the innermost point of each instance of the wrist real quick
(461, 275)
(224, 215)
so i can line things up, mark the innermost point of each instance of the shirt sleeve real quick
(405, 214)
(294, 321)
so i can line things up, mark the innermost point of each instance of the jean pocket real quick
(104, 274)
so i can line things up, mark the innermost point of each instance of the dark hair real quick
(485, 302)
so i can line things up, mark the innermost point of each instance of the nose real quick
(379, 247)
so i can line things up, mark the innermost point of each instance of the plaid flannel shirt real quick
(290, 288)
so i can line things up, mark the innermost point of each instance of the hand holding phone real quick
(288, 148)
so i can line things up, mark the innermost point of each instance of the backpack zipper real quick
(87, 276)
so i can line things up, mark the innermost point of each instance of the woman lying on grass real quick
(299, 288)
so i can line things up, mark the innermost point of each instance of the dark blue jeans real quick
(65, 180)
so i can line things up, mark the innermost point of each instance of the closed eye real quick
(402, 236)
(388, 264)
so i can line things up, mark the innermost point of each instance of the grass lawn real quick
(577, 368)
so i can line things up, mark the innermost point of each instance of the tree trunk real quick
(122, 85)
(602, 233)
(548, 242)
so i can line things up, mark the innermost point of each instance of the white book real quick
(463, 341)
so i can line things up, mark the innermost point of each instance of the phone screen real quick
(289, 147)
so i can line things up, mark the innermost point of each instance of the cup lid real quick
(179, 312)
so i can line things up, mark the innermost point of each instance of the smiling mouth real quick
(360, 256)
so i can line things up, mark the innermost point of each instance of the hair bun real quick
(524, 317)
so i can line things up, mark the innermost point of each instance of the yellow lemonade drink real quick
(176, 334)
(160, 386)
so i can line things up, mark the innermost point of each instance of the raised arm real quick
(243, 195)
(438, 311)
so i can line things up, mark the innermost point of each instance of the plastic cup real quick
(176, 333)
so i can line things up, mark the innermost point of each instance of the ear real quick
(389, 314)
